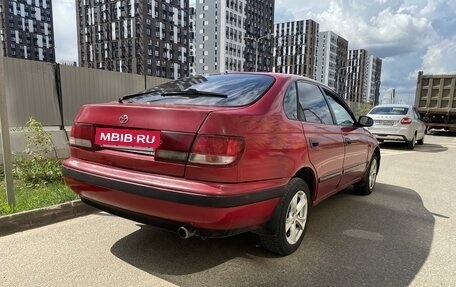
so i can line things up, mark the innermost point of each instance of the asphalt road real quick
(404, 234)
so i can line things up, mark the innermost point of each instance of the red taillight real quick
(174, 146)
(406, 121)
(82, 135)
(216, 150)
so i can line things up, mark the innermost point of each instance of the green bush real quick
(38, 170)
(40, 164)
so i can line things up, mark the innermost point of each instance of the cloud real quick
(383, 28)
(64, 13)
(397, 74)
(282, 14)
(440, 57)
(295, 10)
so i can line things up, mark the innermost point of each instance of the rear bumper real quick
(391, 137)
(389, 133)
(200, 205)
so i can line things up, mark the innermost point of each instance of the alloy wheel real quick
(296, 217)
(373, 173)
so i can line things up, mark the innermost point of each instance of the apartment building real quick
(259, 40)
(218, 36)
(363, 77)
(148, 37)
(357, 76)
(230, 34)
(26, 29)
(295, 48)
(373, 84)
(332, 58)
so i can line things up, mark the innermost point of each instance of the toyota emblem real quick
(123, 119)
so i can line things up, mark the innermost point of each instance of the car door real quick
(325, 141)
(355, 142)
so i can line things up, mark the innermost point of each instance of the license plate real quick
(384, 123)
(143, 139)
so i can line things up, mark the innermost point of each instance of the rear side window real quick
(227, 90)
(313, 107)
(389, 111)
(290, 103)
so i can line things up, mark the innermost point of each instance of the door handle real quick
(313, 142)
(347, 141)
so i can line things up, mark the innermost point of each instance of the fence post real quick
(5, 138)
(58, 84)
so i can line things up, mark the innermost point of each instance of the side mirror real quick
(365, 121)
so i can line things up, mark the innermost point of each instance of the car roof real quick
(280, 76)
(394, 105)
(290, 76)
(275, 75)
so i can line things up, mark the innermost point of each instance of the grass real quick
(32, 197)
(37, 179)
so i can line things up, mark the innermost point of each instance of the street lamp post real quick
(256, 40)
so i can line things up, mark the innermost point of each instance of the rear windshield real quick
(233, 90)
(389, 111)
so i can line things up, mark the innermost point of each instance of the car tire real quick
(290, 219)
(366, 186)
(411, 144)
(421, 141)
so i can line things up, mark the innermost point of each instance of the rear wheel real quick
(420, 141)
(411, 144)
(366, 186)
(290, 219)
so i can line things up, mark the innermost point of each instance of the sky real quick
(409, 35)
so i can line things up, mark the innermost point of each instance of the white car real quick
(397, 123)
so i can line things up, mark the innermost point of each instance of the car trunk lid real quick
(142, 137)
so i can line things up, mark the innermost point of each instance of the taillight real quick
(216, 150)
(174, 146)
(406, 121)
(82, 135)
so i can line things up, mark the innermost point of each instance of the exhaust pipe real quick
(184, 233)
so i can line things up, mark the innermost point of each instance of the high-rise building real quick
(332, 57)
(295, 48)
(218, 36)
(373, 85)
(259, 40)
(357, 76)
(230, 35)
(363, 77)
(27, 31)
(191, 39)
(148, 37)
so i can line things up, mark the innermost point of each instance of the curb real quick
(21, 221)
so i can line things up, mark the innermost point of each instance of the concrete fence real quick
(53, 93)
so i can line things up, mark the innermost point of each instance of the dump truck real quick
(436, 101)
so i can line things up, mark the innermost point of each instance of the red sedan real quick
(217, 155)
